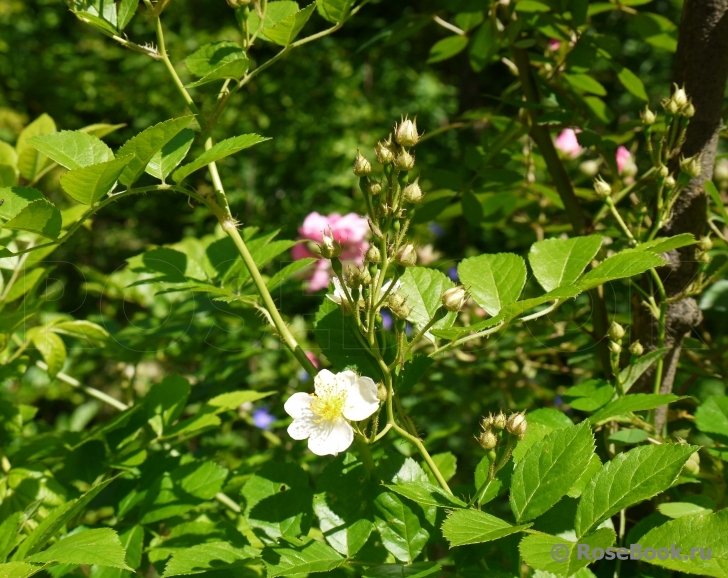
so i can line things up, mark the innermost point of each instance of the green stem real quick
(661, 328)
(108, 201)
(417, 442)
(100, 395)
(620, 221)
(172, 72)
(228, 225)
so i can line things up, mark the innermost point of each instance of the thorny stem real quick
(230, 227)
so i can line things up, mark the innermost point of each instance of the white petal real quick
(300, 429)
(331, 438)
(334, 297)
(298, 405)
(361, 400)
(324, 382)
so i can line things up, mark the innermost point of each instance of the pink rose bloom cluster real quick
(350, 230)
(568, 144)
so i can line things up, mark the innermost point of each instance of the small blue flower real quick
(436, 230)
(262, 419)
(558, 400)
(386, 319)
(452, 272)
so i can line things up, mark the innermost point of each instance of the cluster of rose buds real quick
(494, 425)
(678, 103)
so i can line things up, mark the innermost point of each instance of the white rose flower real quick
(323, 417)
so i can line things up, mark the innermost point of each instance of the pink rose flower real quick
(566, 142)
(350, 230)
(623, 157)
(554, 44)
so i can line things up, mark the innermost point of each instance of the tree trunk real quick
(701, 65)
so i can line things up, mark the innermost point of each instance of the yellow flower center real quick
(328, 407)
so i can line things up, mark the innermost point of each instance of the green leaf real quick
(497, 486)
(234, 69)
(595, 464)
(712, 416)
(416, 570)
(589, 395)
(447, 48)
(586, 84)
(40, 216)
(291, 560)
(15, 199)
(210, 556)
(549, 470)
(532, 6)
(31, 161)
(473, 527)
(170, 155)
(8, 176)
(619, 266)
(631, 81)
(628, 479)
(559, 555)
(72, 149)
(334, 10)
(277, 280)
(399, 527)
(28, 281)
(101, 129)
(18, 570)
(278, 502)
(233, 400)
(276, 12)
(125, 12)
(219, 151)
(343, 504)
(167, 400)
(101, 546)
(423, 288)
(204, 480)
(484, 45)
(634, 402)
(663, 244)
(700, 532)
(91, 184)
(446, 462)
(82, 329)
(285, 31)
(335, 335)
(494, 281)
(414, 370)
(715, 196)
(630, 374)
(676, 510)
(52, 349)
(426, 494)
(146, 144)
(557, 262)
(9, 529)
(181, 490)
(210, 57)
(628, 436)
(58, 518)
(8, 156)
(100, 24)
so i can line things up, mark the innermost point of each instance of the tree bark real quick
(701, 65)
